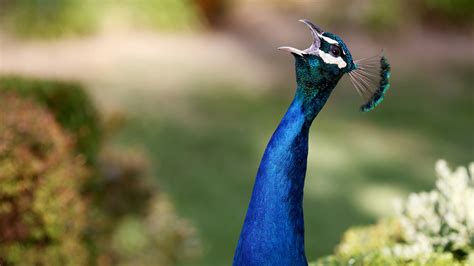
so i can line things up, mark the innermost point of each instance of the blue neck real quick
(273, 231)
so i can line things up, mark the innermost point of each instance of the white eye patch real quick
(329, 59)
(327, 39)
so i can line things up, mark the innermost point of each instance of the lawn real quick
(206, 146)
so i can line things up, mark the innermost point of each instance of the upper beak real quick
(313, 49)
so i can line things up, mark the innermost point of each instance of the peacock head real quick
(328, 55)
(328, 59)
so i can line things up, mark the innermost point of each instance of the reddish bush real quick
(42, 216)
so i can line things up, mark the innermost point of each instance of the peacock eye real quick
(335, 51)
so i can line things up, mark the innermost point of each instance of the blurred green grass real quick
(49, 19)
(207, 147)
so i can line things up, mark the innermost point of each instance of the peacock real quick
(273, 230)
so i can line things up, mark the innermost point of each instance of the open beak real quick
(313, 49)
(291, 50)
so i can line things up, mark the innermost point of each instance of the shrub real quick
(41, 212)
(441, 220)
(70, 105)
(431, 228)
(45, 182)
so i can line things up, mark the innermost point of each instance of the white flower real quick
(442, 219)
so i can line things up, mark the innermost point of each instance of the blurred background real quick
(131, 131)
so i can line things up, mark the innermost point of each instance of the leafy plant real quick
(69, 103)
(45, 183)
(431, 228)
(42, 215)
(441, 220)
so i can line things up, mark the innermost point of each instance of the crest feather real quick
(371, 79)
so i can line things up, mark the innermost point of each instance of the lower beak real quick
(292, 50)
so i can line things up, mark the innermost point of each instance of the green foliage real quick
(49, 18)
(379, 258)
(361, 240)
(435, 228)
(440, 220)
(44, 185)
(69, 103)
(370, 246)
(42, 215)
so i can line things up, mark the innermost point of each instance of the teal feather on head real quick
(371, 78)
(384, 85)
